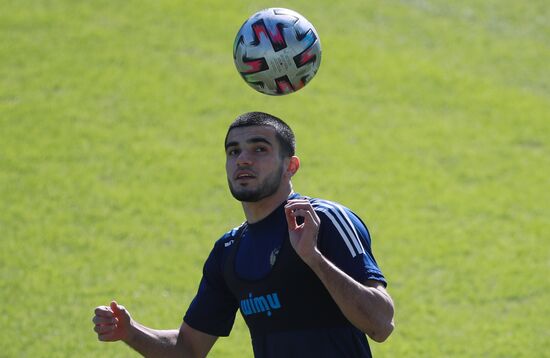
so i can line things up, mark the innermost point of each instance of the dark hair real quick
(284, 134)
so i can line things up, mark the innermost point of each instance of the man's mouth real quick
(244, 175)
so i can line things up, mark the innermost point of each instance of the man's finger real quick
(104, 320)
(308, 215)
(106, 337)
(104, 328)
(290, 219)
(297, 203)
(294, 206)
(292, 201)
(105, 314)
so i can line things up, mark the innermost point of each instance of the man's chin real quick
(246, 196)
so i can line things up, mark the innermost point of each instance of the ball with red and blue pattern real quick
(277, 51)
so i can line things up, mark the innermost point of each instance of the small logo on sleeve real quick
(229, 243)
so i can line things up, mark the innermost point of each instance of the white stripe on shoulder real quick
(342, 222)
(339, 228)
(357, 241)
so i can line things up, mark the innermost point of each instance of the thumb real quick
(117, 310)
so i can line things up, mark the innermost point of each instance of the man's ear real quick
(293, 165)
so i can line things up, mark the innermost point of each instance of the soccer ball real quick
(277, 51)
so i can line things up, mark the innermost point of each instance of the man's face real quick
(253, 164)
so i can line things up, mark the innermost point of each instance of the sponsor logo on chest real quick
(260, 304)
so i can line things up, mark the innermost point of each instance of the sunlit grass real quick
(430, 119)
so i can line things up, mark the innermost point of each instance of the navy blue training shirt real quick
(253, 250)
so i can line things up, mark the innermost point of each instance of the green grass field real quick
(430, 119)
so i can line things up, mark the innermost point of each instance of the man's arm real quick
(367, 306)
(114, 323)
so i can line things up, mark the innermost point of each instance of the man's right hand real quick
(112, 323)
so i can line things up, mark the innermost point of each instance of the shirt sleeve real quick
(345, 240)
(213, 309)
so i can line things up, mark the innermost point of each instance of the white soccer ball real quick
(277, 51)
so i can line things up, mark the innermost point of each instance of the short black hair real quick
(284, 133)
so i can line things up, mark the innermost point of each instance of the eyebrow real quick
(252, 140)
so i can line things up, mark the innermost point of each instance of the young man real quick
(300, 270)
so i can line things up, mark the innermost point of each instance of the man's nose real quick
(244, 159)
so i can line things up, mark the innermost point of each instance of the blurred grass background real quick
(428, 118)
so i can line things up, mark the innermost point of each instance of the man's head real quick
(283, 132)
(260, 158)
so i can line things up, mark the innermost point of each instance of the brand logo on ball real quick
(277, 51)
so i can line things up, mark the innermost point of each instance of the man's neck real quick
(256, 211)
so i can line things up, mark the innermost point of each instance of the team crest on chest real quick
(273, 257)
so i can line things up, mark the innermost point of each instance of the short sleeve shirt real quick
(343, 238)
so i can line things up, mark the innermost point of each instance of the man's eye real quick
(260, 149)
(232, 152)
